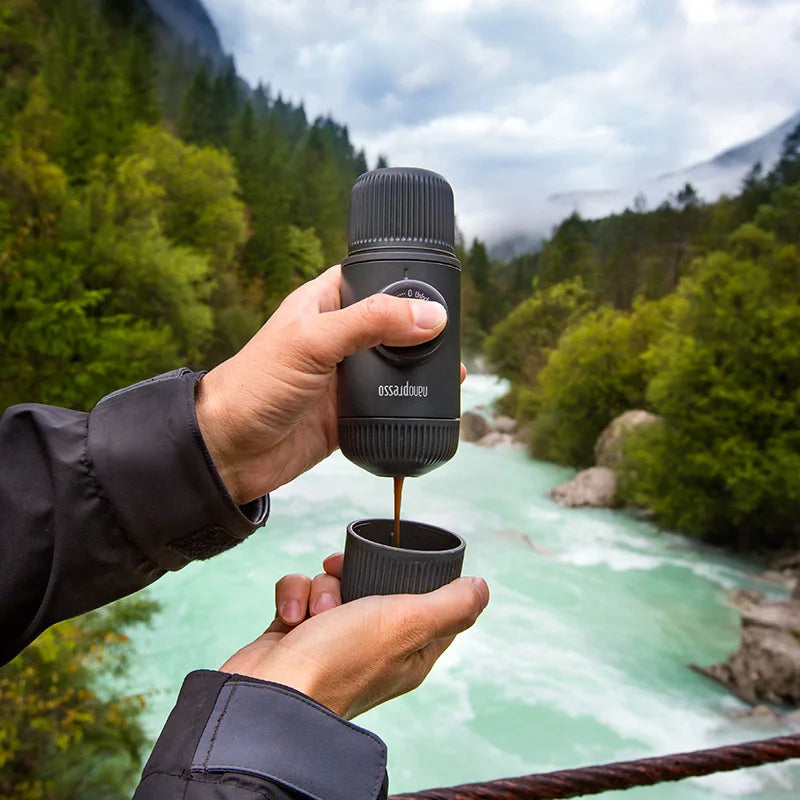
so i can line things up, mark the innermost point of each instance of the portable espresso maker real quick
(399, 407)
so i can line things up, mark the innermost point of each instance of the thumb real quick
(379, 319)
(447, 611)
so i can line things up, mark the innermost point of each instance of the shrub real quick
(600, 368)
(65, 732)
(724, 464)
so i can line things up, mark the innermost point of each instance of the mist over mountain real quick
(720, 175)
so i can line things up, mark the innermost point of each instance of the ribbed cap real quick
(402, 206)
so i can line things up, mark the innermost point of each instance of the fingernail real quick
(428, 314)
(290, 612)
(483, 591)
(325, 602)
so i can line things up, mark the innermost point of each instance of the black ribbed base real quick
(398, 447)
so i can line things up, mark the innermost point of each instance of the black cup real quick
(428, 557)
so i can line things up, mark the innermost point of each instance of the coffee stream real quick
(398, 496)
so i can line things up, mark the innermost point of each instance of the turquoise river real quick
(580, 658)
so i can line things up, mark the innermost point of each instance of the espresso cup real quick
(428, 557)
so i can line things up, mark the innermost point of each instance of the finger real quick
(328, 289)
(315, 296)
(445, 612)
(291, 598)
(380, 319)
(325, 594)
(333, 564)
(463, 373)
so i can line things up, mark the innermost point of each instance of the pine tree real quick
(787, 170)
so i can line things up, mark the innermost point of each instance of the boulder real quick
(786, 570)
(474, 426)
(766, 667)
(479, 366)
(608, 448)
(504, 424)
(746, 598)
(595, 487)
(496, 439)
(780, 616)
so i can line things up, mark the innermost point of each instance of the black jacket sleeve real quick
(96, 506)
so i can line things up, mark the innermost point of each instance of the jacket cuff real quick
(264, 731)
(150, 462)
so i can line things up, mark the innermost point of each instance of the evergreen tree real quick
(787, 170)
(88, 72)
(196, 122)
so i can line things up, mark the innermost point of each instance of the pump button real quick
(413, 290)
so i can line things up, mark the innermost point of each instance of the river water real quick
(580, 657)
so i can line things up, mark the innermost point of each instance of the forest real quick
(155, 209)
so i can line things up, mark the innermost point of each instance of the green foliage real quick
(292, 173)
(63, 731)
(518, 346)
(787, 170)
(570, 254)
(151, 252)
(57, 344)
(94, 76)
(724, 462)
(632, 254)
(111, 281)
(489, 291)
(599, 369)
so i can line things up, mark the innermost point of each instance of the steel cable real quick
(621, 774)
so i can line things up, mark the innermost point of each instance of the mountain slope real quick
(186, 22)
(765, 149)
(720, 175)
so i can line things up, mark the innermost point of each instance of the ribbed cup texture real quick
(372, 566)
(403, 207)
(389, 447)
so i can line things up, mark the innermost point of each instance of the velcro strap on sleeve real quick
(272, 732)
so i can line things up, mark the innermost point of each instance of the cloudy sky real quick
(515, 100)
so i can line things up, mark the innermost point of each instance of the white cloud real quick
(515, 100)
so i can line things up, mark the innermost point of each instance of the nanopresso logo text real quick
(402, 390)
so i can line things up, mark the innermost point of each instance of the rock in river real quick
(766, 667)
(503, 424)
(495, 439)
(474, 426)
(595, 487)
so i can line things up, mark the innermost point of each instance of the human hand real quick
(354, 656)
(269, 413)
